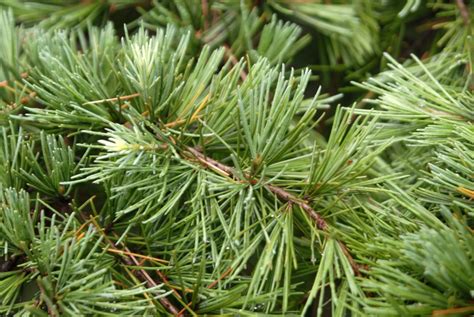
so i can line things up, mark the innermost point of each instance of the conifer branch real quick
(129, 258)
(143, 276)
(278, 191)
(222, 192)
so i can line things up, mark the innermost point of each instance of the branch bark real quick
(130, 260)
(281, 193)
(143, 276)
(464, 11)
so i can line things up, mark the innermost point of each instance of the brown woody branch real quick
(143, 276)
(212, 285)
(464, 11)
(234, 60)
(49, 305)
(278, 191)
(128, 258)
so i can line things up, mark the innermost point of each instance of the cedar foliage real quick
(233, 157)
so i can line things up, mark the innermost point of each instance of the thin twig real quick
(212, 285)
(205, 13)
(464, 11)
(165, 281)
(145, 257)
(453, 311)
(288, 197)
(279, 192)
(51, 310)
(223, 276)
(233, 59)
(144, 276)
(129, 259)
(112, 99)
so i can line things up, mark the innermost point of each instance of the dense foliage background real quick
(236, 157)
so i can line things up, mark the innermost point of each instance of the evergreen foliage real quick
(188, 158)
